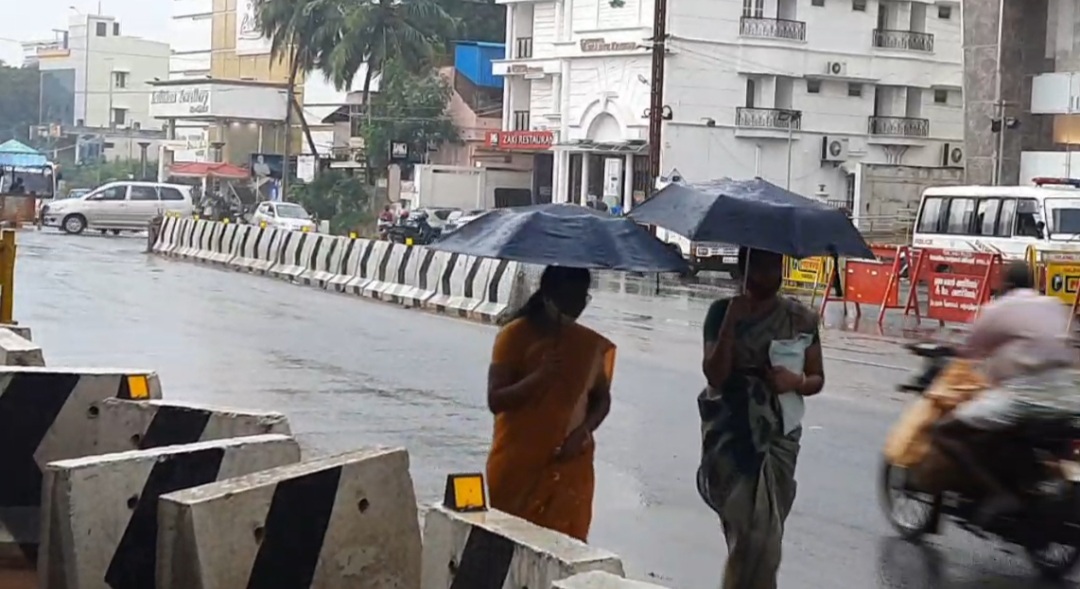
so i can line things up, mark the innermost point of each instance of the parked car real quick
(117, 206)
(283, 215)
(459, 218)
(437, 218)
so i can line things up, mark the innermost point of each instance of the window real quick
(817, 2)
(961, 213)
(102, 29)
(170, 193)
(1006, 218)
(119, 117)
(116, 29)
(854, 90)
(941, 97)
(120, 79)
(1028, 218)
(521, 120)
(858, 5)
(930, 217)
(753, 8)
(813, 86)
(986, 216)
(944, 12)
(143, 193)
(112, 193)
(751, 92)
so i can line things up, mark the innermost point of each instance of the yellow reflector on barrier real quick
(352, 235)
(408, 241)
(225, 220)
(262, 224)
(138, 386)
(196, 217)
(465, 492)
(305, 228)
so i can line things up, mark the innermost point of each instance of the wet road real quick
(350, 372)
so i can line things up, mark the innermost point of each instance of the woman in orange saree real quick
(549, 387)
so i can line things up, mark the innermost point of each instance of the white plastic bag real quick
(791, 354)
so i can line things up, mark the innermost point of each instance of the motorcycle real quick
(417, 230)
(1043, 462)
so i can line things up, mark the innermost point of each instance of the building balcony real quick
(903, 40)
(772, 28)
(903, 127)
(766, 123)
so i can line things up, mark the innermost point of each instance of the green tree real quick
(94, 175)
(479, 20)
(339, 197)
(411, 108)
(374, 32)
(19, 102)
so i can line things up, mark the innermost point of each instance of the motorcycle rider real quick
(1026, 356)
(386, 220)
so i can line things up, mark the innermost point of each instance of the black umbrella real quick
(756, 214)
(563, 235)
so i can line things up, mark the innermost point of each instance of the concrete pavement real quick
(349, 372)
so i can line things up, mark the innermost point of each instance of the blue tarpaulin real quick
(17, 154)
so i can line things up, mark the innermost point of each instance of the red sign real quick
(955, 297)
(519, 140)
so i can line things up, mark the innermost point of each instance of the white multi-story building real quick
(797, 91)
(190, 35)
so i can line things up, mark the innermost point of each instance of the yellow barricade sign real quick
(1062, 280)
(807, 273)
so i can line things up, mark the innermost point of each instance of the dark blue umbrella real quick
(753, 213)
(563, 235)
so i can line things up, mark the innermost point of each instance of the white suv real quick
(118, 206)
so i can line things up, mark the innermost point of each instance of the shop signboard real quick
(249, 37)
(181, 101)
(1062, 280)
(519, 140)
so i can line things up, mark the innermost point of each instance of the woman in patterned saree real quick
(750, 411)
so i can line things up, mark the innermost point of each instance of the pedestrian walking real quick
(762, 357)
(549, 388)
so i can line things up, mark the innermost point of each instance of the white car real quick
(283, 215)
(459, 218)
(118, 206)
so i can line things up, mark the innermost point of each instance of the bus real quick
(40, 181)
(1000, 219)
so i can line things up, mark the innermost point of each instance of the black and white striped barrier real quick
(601, 580)
(341, 522)
(46, 415)
(100, 520)
(414, 276)
(466, 545)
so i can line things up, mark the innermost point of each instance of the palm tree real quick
(373, 31)
(302, 31)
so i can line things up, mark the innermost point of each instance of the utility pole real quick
(656, 87)
(999, 102)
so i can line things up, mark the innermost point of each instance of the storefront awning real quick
(634, 147)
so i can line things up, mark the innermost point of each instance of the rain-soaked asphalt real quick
(350, 372)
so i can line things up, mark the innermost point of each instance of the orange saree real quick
(524, 477)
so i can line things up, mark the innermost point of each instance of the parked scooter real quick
(414, 230)
(1043, 461)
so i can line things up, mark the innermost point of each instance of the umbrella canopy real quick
(563, 235)
(19, 155)
(753, 213)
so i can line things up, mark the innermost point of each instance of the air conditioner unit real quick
(952, 155)
(836, 68)
(834, 149)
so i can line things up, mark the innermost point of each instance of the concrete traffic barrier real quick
(497, 278)
(122, 425)
(495, 549)
(183, 237)
(168, 235)
(19, 330)
(16, 350)
(291, 260)
(200, 240)
(210, 241)
(269, 249)
(383, 279)
(355, 254)
(405, 274)
(601, 580)
(247, 255)
(226, 244)
(367, 273)
(341, 522)
(458, 287)
(43, 418)
(326, 262)
(100, 513)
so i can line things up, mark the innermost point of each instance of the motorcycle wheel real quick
(893, 486)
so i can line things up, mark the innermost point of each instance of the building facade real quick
(799, 92)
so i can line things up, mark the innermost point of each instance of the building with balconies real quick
(799, 92)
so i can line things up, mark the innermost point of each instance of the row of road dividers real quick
(104, 484)
(479, 289)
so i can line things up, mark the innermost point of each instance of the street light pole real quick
(656, 93)
(999, 103)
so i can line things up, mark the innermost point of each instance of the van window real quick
(961, 212)
(143, 193)
(1028, 218)
(930, 218)
(986, 216)
(112, 193)
(1006, 218)
(171, 193)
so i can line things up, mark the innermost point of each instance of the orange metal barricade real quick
(870, 282)
(958, 284)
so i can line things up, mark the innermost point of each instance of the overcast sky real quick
(31, 20)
